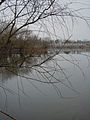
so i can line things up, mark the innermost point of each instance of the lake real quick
(57, 90)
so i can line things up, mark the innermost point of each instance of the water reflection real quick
(74, 51)
(17, 62)
(53, 91)
(10, 65)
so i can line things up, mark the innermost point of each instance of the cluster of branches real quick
(23, 13)
(17, 15)
(20, 14)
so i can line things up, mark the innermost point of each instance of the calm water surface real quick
(69, 99)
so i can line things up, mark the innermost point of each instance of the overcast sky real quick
(78, 30)
(56, 28)
(82, 30)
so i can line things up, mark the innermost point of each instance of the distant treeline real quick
(23, 41)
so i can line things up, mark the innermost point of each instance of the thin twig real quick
(6, 114)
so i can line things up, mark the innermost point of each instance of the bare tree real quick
(22, 14)
(17, 18)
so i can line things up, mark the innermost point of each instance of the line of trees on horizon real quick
(25, 40)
